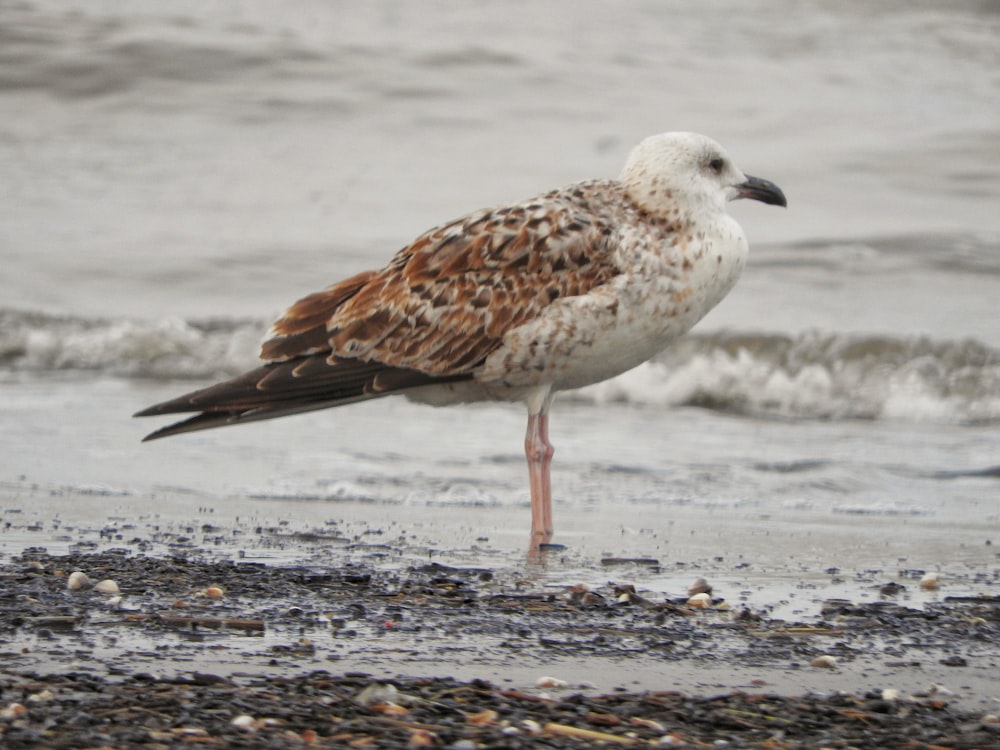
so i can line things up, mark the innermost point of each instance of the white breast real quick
(668, 285)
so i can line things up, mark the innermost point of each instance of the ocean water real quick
(173, 175)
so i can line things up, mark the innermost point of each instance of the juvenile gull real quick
(512, 303)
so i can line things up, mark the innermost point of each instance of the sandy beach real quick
(230, 596)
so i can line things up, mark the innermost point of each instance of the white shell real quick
(107, 586)
(551, 682)
(531, 726)
(824, 662)
(13, 711)
(244, 721)
(700, 601)
(377, 693)
(77, 580)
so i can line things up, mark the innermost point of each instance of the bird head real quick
(675, 173)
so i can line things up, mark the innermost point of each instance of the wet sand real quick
(328, 609)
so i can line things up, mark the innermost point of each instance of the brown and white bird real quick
(512, 303)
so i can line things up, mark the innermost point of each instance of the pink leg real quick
(539, 452)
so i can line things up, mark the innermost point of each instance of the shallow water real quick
(682, 484)
(174, 176)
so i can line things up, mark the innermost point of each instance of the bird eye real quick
(716, 165)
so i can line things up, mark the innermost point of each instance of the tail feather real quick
(283, 388)
(208, 420)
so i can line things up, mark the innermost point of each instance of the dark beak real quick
(762, 190)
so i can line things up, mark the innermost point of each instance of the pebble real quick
(700, 586)
(190, 731)
(244, 721)
(672, 739)
(376, 694)
(13, 711)
(890, 694)
(930, 581)
(420, 738)
(107, 586)
(215, 592)
(77, 580)
(41, 696)
(551, 682)
(891, 589)
(486, 716)
(824, 662)
(638, 721)
(309, 736)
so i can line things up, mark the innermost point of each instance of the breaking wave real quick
(170, 348)
(812, 375)
(819, 375)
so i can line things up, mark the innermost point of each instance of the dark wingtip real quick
(203, 421)
(164, 431)
(281, 389)
(173, 406)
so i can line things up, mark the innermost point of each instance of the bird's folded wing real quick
(433, 315)
(445, 302)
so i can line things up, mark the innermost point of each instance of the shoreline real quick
(363, 612)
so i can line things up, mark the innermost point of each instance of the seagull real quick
(513, 303)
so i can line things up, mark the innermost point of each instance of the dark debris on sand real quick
(322, 710)
(138, 704)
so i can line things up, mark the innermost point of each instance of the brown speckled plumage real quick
(516, 302)
(444, 303)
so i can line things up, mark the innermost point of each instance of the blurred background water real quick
(172, 175)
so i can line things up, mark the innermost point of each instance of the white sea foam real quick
(164, 349)
(813, 375)
(818, 375)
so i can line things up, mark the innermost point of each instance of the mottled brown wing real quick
(444, 302)
(303, 326)
(431, 316)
